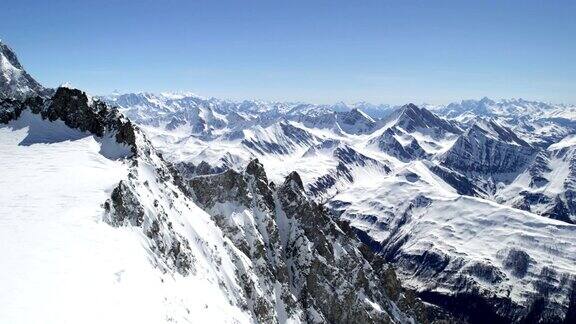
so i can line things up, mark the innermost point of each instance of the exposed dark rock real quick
(411, 118)
(220, 188)
(10, 109)
(294, 178)
(256, 170)
(560, 210)
(319, 265)
(125, 208)
(15, 82)
(517, 261)
(478, 153)
(486, 272)
(73, 107)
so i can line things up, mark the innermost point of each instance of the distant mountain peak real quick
(176, 95)
(493, 128)
(486, 100)
(410, 106)
(411, 117)
(357, 111)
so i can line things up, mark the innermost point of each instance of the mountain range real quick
(176, 208)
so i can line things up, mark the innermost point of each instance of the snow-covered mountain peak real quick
(15, 82)
(486, 107)
(492, 128)
(361, 114)
(413, 118)
(176, 95)
(487, 101)
(355, 121)
(293, 180)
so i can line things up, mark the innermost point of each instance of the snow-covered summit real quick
(503, 107)
(491, 128)
(15, 82)
(412, 118)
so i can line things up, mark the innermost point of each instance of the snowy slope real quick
(94, 199)
(451, 247)
(176, 221)
(547, 186)
(61, 187)
(396, 185)
(538, 122)
(59, 245)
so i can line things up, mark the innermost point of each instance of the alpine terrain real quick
(171, 207)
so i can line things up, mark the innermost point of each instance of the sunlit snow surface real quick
(61, 263)
(466, 230)
(469, 230)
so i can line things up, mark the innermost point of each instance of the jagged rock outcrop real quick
(297, 247)
(15, 82)
(11, 109)
(76, 110)
(242, 204)
(189, 170)
(129, 206)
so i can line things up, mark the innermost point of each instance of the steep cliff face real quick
(489, 154)
(302, 259)
(15, 82)
(488, 149)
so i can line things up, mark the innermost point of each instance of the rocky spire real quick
(256, 169)
(294, 178)
(15, 82)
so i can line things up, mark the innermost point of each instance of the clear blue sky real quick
(317, 51)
